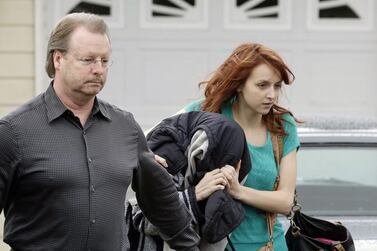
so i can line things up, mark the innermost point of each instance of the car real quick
(337, 173)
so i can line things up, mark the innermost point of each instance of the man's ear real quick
(57, 57)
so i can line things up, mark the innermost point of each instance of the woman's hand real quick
(161, 161)
(211, 182)
(234, 187)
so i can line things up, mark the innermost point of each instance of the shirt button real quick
(93, 221)
(84, 132)
(89, 160)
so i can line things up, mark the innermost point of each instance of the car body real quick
(337, 174)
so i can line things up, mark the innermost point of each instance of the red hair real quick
(234, 71)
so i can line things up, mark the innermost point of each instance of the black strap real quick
(230, 243)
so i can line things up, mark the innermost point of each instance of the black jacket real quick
(227, 142)
(226, 145)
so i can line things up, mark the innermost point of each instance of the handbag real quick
(307, 233)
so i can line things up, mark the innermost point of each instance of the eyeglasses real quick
(89, 60)
(105, 63)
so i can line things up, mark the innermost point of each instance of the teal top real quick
(252, 233)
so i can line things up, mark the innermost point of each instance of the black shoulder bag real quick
(307, 233)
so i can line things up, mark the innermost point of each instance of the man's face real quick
(82, 70)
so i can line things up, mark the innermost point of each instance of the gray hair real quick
(61, 34)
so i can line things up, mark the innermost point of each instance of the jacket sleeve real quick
(158, 199)
(9, 159)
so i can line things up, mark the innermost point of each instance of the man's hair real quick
(61, 34)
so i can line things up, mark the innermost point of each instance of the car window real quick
(338, 180)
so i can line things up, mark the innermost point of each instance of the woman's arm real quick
(279, 201)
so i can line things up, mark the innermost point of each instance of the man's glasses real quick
(105, 63)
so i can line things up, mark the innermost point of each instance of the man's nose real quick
(97, 66)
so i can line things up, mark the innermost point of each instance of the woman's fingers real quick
(216, 177)
(229, 172)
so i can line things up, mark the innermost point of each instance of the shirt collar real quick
(100, 108)
(55, 108)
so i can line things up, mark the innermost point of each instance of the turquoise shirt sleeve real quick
(291, 140)
(194, 106)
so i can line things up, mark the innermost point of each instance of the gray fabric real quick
(145, 226)
(145, 241)
(196, 150)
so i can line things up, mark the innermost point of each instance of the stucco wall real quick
(17, 59)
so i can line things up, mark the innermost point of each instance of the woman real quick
(246, 88)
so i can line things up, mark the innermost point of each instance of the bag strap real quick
(230, 243)
(277, 146)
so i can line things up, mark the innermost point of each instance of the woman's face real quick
(261, 89)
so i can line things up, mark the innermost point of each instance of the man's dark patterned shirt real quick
(63, 186)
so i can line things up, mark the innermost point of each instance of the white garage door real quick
(163, 48)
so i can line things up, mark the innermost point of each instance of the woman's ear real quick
(239, 88)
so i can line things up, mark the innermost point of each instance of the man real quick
(67, 157)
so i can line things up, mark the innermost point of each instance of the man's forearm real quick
(158, 199)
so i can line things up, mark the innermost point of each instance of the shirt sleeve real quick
(291, 140)
(159, 200)
(194, 106)
(9, 158)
